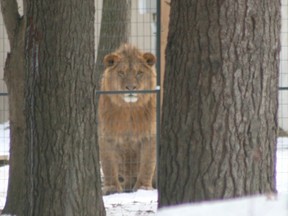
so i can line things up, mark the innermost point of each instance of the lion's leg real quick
(110, 170)
(130, 171)
(147, 165)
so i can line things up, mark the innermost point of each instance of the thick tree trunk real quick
(60, 107)
(14, 79)
(220, 100)
(114, 31)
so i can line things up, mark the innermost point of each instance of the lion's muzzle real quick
(130, 98)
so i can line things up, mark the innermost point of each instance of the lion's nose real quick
(131, 87)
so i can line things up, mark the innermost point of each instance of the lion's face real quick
(129, 70)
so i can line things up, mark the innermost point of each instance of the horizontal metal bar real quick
(125, 92)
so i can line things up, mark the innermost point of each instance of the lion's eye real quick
(121, 73)
(139, 74)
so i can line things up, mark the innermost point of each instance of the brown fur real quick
(127, 133)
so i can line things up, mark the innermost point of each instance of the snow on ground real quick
(282, 165)
(4, 153)
(139, 203)
(144, 203)
(3, 184)
(252, 206)
(4, 139)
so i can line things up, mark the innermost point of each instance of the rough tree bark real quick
(114, 30)
(14, 79)
(63, 161)
(220, 100)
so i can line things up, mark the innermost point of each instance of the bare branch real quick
(11, 17)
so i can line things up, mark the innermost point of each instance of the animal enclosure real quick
(129, 99)
(137, 23)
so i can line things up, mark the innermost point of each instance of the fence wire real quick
(145, 34)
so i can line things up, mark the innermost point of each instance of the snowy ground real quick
(139, 203)
(4, 139)
(144, 203)
(3, 185)
(252, 206)
(282, 165)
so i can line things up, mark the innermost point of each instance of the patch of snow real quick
(3, 184)
(4, 139)
(137, 203)
(282, 143)
(249, 206)
(7, 215)
(282, 165)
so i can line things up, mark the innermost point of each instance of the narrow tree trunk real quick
(220, 103)
(114, 31)
(14, 79)
(165, 11)
(60, 106)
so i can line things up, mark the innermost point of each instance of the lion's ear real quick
(111, 59)
(149, 58)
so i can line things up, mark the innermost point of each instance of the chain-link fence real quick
(282, 144)
(143, 31)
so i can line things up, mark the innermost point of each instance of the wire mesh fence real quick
(127, 142)
(282, 143)
(4, 124)
(143, 31)
(283, 78)
(129, 97)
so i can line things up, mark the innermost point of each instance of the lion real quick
(127, 121)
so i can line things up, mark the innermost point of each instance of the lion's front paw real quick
(111, 190)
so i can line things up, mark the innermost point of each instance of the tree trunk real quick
(14, 79)
(165, 11)
(63, 160)
(220, 103)
(114, 31)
